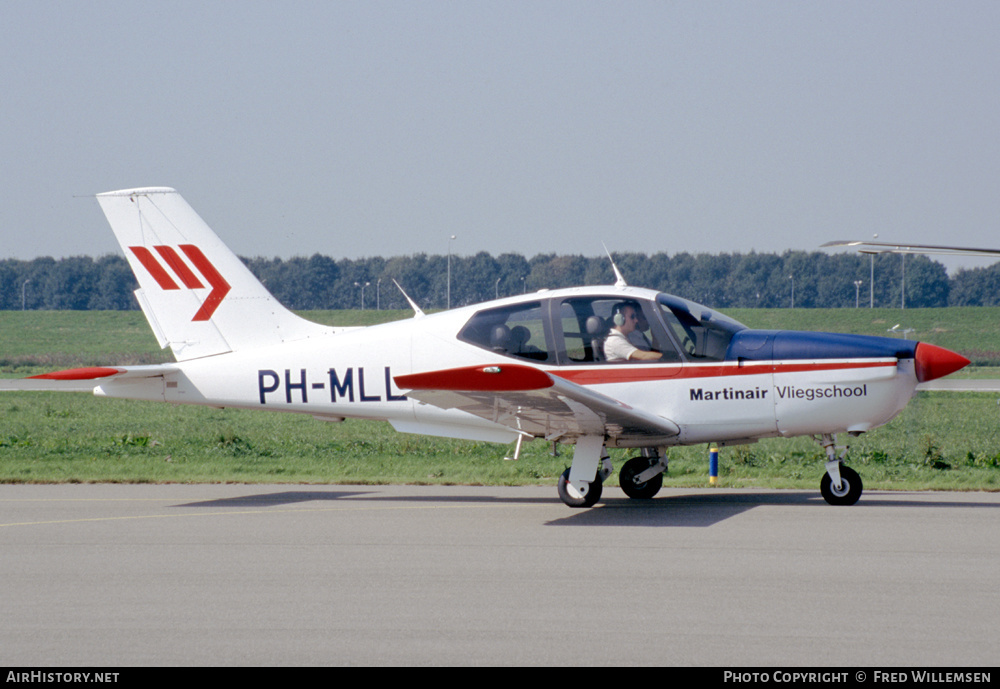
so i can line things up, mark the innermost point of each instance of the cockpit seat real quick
(597, 330)
(500, 338)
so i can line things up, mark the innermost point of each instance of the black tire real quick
(850, 491)
(639, 491)
(588, 500)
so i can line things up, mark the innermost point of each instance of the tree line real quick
(802, 279)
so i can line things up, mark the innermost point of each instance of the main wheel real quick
(850, 487)
(633, 489)
(569, 495)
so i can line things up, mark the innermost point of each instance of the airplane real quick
(542, 365)
(873, 247)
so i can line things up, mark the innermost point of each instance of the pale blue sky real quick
(381, 128)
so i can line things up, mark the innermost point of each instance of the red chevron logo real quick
(180, 269)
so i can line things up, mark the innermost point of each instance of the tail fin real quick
(197, 295)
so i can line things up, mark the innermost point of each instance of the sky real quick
(374, 128)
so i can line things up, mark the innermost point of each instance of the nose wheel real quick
(841, 484)
(849, 490)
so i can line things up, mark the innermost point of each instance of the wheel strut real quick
(841, 485)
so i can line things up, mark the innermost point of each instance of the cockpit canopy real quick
(573, 329)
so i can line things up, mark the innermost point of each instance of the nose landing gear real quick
(840, 485)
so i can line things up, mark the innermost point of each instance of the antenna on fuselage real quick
(620, 281)
(417, 311)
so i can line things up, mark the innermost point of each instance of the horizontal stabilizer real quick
(84, 379)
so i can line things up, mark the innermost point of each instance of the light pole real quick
(857, 292)
(903, 257)
(496, 289)
(871, 282)
(23, 286)
(378, 294)
(792, 278)
(358, 284)
(452, 237)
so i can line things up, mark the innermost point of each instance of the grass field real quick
(941, 441)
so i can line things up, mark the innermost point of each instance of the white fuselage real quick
(350, 374)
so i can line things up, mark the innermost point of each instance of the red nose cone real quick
(935, 362)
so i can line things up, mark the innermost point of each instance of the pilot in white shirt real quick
(618, 345)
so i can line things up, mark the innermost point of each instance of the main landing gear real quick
(582, 484)
(574, 496)
(841, 484)
(640, 477)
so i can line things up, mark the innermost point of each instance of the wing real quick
(881, 248)
(536, 403)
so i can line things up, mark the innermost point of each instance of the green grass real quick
(75, 437)
(944, 441)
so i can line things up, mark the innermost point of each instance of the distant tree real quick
(927, 283)
(411, 274)
(718, 280)
(512, 270)
(10, 289)
(474, 279)
(976, 287)
(116, 285)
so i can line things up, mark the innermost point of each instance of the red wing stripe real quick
(179, 267)
(153, 267)
(496, 378)
(220, 288)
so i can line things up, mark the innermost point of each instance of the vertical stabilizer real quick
(198, 296)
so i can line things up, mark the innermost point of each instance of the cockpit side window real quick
(586, 322)
(704, 334)
(517, 331)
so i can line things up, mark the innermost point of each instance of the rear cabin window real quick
(517, 331)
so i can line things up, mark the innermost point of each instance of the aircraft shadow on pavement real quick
(668, 510)
(274, 499)
(698, 510)
(292, 497)
(677, 510)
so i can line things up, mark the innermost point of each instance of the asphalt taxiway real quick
(119, 575)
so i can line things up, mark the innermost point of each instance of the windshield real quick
(703, 332)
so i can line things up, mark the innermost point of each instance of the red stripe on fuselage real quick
(605, 374)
